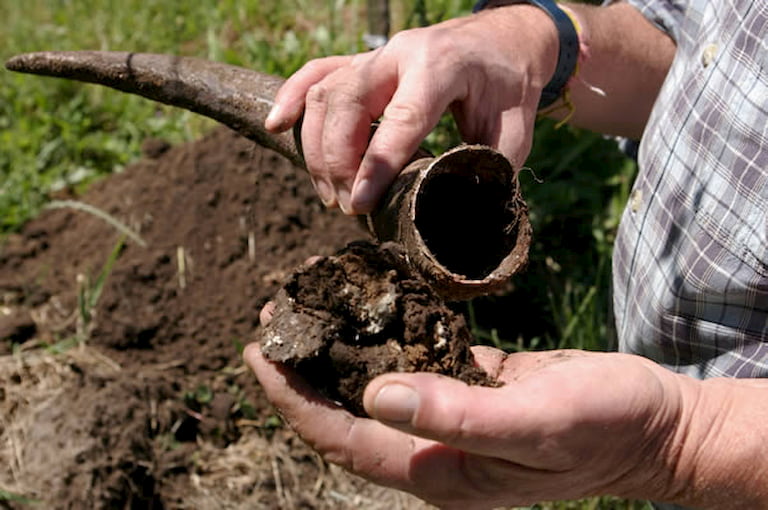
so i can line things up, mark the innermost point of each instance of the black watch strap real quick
(568, 54)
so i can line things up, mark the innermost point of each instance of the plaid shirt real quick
(691, 257)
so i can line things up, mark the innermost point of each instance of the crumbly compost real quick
(345, 319)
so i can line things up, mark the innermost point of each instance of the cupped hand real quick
(566, 424)
(488, 69)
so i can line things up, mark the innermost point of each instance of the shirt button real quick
(708, 55)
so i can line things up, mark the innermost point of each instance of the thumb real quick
(485, 421)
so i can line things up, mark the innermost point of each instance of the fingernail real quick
(324, 190)
(362, 195)
(271, 119)
(395, 403)
(343, 197)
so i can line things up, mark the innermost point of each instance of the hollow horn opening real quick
(462, 220)
(464, 217)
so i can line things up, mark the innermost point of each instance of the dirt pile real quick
(132, 394)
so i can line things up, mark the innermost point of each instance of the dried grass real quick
(255, 472)
(259, 473)
(32, 381)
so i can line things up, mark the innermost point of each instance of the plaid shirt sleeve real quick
(691, 256)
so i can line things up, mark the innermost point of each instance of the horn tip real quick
(15, 63)
(27, 62)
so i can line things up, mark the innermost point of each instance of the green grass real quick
(57, 134)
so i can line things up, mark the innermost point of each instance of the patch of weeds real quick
(89, 293)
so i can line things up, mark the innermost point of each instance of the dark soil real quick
(345, 319)
(142, 401)
(225, 222)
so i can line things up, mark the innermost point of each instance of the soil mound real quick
(126, 388)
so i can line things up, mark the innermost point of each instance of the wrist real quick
(714, 452)
(567, 30)
(723, 446)
(525, 30)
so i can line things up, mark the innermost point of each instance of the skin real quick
(566, 424)
(491, 89)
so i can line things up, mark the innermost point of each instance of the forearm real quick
(627, 59)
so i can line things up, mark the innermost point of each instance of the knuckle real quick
(441, 44)
(336, 166)
(428, 45)
(314, 66)
(400, 39)
(362, 62)
(347, 97)
(317, 94)
(407, 114)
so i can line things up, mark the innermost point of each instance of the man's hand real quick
(566, 424)
(489, 69)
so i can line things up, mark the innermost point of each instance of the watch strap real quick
(568, 53)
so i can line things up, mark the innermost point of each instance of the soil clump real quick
(345, 319)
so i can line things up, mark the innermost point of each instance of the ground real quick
(132, 394)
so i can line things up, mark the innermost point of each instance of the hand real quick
(566, 424)
(489, 69)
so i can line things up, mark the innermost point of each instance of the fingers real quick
(266, 313)
(289, 101)
(414, 109)
(363, 446)
(304, 94)
(516, 135)
(335, 134)
(340, 99)
(338, 114)
(502, 120)
(432, 471)
(432, 406)
(286, 390)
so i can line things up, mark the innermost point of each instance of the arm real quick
(567, 424)
(488, 69)
(627, 58)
